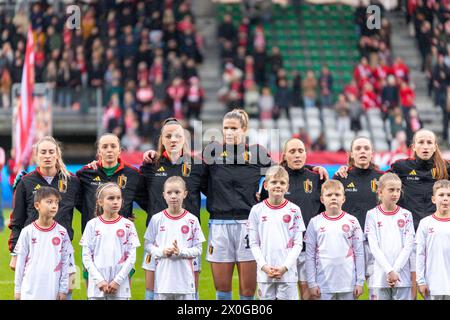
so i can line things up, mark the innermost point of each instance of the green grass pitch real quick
(206, 285)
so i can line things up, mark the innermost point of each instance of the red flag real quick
(24, 130)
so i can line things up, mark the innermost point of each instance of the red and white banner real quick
(23, 118)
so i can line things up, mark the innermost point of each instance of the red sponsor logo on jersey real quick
(191, 221)
(62, 233)
(264, 218)
(120, 233)
(430, 230)
(184, 229)
(349, 252)
(127, 225)
(345, 228)
(322, 229)
(124, 257)
(352, 221)
(380, 224)
(58, 267)
(290, 243)
(33, 240)
(401, 223)
(97, 233)
(287, 218)
(162, 228)
(293, 210)
(56, 241)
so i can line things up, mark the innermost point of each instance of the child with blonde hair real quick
(334, 249)
(433, 247)
(275, 228)
(109, 246)
(390, 233)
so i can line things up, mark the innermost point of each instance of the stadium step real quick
(404, 45)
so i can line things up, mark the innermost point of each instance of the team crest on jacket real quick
(56, 241)
(433, 173)
(62, 186)
(373, 185)
(287, 218)
(186, 169)
(307, 186)
(401, 223)
(122, 181)
(185, 229)
(247, 156)
(120, 233)
(345, 228)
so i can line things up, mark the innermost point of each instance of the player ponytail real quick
(99, 195)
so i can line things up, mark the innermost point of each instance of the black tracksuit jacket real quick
(234, 173)
(24, 213)
(127, 177)
(193, 172)
(304, 191)
(360, 191)
(417, 177)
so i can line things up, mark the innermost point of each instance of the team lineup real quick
(301, 236)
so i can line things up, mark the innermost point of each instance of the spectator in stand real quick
(283, 100)
(226, 30)
(380, 73)
(355, 113)
(112, 118)
(424, 41)
(239, 58)
(251, 100)
(389, 95)
(309, 88)
(129, 102)
(176, 93)
(369, 98)
(144, 94)
(260, 59)
(189, 70)
(326, 87)
(159, 87)
(396, 121)
(400, 69)
(414, 124)
(407, 97)
(360, 17)
(441, 81)
(297, 96)
(194, 98)
(266, 104)
(275, 62)
(320, 143)
(362, 72)
(5, 88)
(62, 85)
(130, 140)
(351, 89)
(342, 118)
